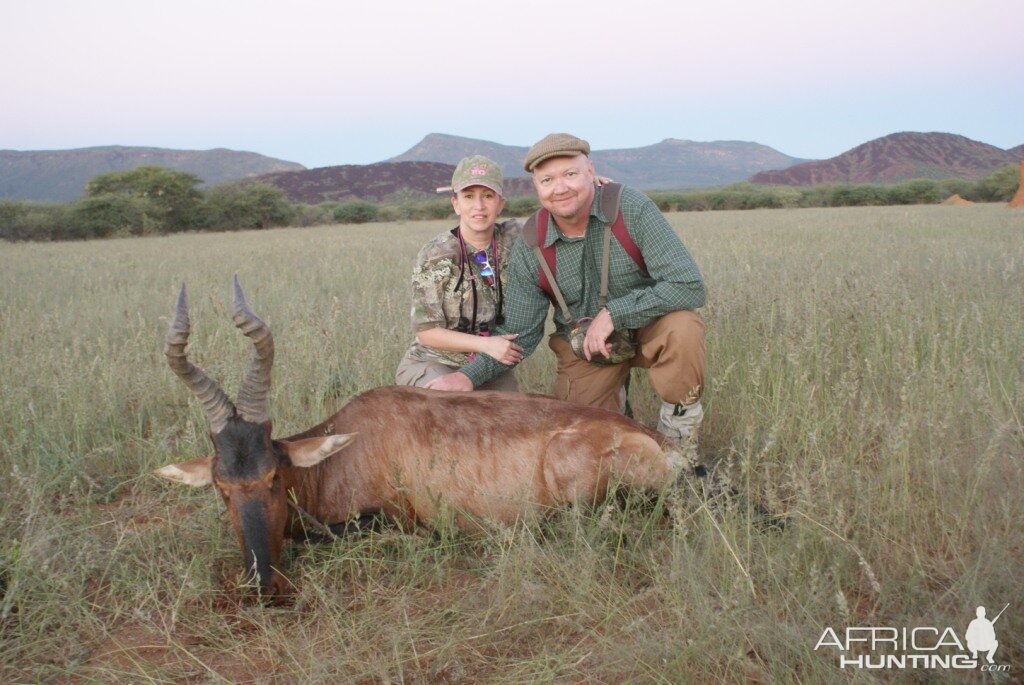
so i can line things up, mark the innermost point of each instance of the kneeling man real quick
(603, 253)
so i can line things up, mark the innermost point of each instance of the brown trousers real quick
(670, 348)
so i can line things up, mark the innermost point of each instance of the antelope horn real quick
(252, 398)
(216, 405)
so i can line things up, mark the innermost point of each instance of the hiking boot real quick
(681, 422)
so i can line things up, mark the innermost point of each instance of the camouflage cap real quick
(555, 145)
(477, 171)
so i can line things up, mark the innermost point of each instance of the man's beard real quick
(567, 213)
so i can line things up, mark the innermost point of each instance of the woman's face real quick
(478, 208)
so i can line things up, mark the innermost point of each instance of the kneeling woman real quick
(458, 282)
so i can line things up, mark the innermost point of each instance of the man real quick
(652, 294)
(981, 635)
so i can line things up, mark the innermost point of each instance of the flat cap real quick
(555, 145)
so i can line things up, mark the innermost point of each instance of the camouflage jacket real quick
(437, 303)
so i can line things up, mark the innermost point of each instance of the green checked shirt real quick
(634, 300)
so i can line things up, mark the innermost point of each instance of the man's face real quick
(478, 207)
(565, 185)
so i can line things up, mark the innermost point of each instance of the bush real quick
(253, 205)
(357, 212)
(313, 215)
(389, 213)
(32, 221)
(854, 196)
(113, 213)
(1000, 185)
(523, 205)
(920, 192)
(174, 202)
(958, 186)
(435, 209)
(417, 211)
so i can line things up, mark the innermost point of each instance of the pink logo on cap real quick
(478, 171)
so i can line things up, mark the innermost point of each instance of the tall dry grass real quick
(866, 380)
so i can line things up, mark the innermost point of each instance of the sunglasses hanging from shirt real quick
(489, 275)
(486, 272)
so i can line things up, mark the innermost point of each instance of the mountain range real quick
(61, 175)
(381, 181)
(900, 157)
(672, 163)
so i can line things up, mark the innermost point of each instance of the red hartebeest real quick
(494, 455)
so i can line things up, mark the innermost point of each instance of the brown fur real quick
(422, 456)
(496, 456)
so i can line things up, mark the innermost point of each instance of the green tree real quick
(921, 191)
(99, 216)
(253, 205)
(172, 201)
(851, 195)
(34, 221)
(1000, 185)
(356, 212)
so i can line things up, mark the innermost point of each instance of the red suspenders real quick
(610, 196)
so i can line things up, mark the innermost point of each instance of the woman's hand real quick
(503, 349)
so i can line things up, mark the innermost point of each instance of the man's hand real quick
(457, 382)
(503, 349)
(597, 336)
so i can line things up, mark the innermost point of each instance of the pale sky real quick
(332, 82)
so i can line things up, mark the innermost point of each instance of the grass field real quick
(866, 375)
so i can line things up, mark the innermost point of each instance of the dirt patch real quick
(1018, 197)
(956, 200)
(136, 650)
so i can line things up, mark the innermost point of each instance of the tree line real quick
(999, 186)
(152, 200)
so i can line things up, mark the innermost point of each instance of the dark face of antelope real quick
(244, 468)
(251, 471)
(252, 479)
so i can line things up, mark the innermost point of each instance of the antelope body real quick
(413, 454)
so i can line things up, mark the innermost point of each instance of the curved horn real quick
(216, 405)
(252, 398)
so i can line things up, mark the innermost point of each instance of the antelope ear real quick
(311, 451)
(195, 472)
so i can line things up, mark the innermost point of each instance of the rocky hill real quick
(898, 157)
(674, 163)
(447, 149)
(670, 164)
(61, 175)
(381, 181)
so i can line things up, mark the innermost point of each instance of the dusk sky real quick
(324, 83)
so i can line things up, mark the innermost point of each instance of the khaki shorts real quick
(417, 372)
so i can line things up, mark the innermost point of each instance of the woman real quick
(459, 281)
